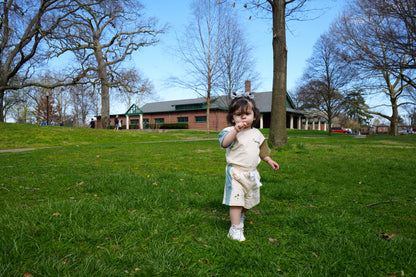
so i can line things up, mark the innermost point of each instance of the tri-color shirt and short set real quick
(242, 179)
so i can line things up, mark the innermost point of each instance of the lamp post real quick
(47, 109)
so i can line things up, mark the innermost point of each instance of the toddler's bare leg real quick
(235, 214)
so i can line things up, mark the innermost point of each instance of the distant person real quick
(61, 124)
(92, 123)
(246, 147)
(43, 123)
(116, 122)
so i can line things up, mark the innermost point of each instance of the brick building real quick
(192, 112)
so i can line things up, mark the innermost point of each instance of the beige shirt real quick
(245, 149)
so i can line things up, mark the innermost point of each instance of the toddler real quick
(246, 146)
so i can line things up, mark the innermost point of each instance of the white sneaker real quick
(236, 233)
(242, 218)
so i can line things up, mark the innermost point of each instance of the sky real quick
(159, 63)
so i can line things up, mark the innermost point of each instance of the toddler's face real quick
(244, 117)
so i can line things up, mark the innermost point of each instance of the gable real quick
(134, 110)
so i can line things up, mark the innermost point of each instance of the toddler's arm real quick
(272, 163)
(230, 137)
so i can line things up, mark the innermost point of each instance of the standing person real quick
(246, 147)
(116, 122)
(92, 123)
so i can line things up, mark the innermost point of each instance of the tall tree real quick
(279, 9)
(237, 64)
(322, 99)
(326, 76)
(23, 27)
(103, 34)
(214, 51)
(361, 33)
(201, 48)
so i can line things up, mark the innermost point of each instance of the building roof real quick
(263, 102)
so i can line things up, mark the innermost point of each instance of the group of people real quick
(117, 123)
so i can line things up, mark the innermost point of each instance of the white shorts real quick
(241, 189)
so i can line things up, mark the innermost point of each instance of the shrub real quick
(168, 126)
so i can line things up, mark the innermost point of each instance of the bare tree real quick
(200, 49)
(24, 25)
(214, 51)
(237, 64)
(102, 34)
(81, 98)
(322, 99)
(403, 35)
(326, 76)
(361, 32)
(280, 10)
(134, 88)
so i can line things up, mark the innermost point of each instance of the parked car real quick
(404, 132)
(340, 130)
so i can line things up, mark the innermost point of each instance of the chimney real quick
(247, 86)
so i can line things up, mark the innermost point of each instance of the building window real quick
(146, 123)
(182, 119)
(200, 119)
(159, 120)
(134, 122)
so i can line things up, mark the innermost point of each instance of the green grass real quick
(106, 203)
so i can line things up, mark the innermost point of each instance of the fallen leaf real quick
(272, 240)
(181, 180)
(155, 184)
(208, 261)
(132, 211)
(27, 274)
(256, 211)
(80, 183)
(316, 255)
(98, 156)
(386, 236)
(55, 214)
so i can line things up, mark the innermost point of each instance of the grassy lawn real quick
(107, 203)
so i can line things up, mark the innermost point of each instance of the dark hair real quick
(242, 103)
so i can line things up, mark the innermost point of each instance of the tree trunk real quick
(278, 133)
(208, 104)
(105, 94)
(1, 105)
(394, 122)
